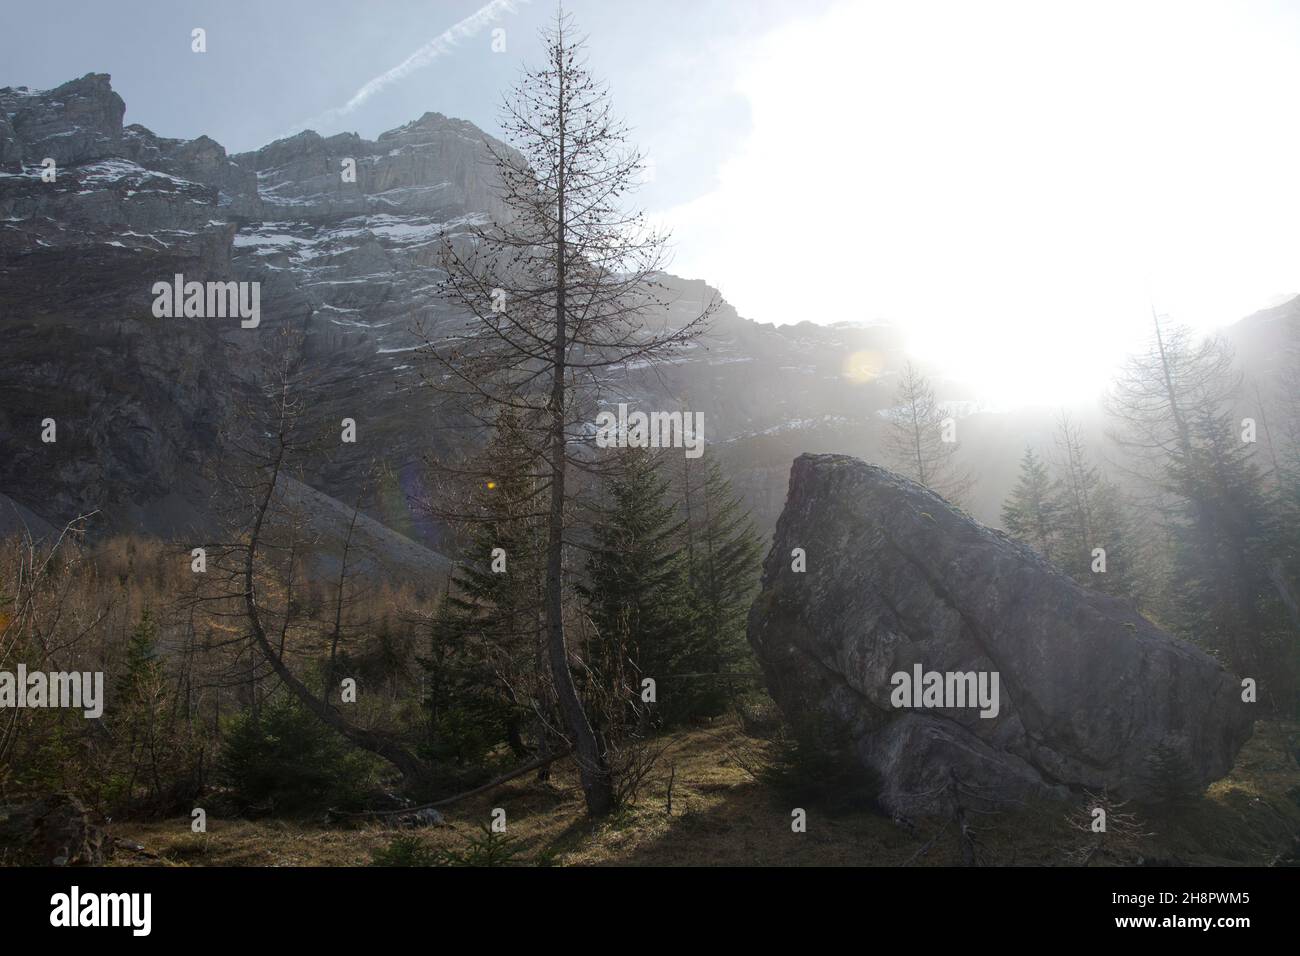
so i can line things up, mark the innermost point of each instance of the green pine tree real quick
(1090, 515)
(151, 751)
(637, 594)
(481, 672)
(1177, 416)
(142, 665)
(1224, 538)
(1030, 512)
(726, 559)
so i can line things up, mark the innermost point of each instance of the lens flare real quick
(862, 367)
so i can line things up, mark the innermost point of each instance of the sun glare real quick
(1010, 184)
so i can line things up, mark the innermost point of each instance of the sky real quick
(1014, 184)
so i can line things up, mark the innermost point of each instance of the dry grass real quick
(724, 814)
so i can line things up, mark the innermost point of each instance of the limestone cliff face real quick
(137, 402)
(141, 402)
(436, 166)
(897, 578)
(73, 123)
(355, 266)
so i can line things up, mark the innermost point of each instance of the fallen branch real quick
(517, 772)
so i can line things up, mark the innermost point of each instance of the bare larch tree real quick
(558, 296)
(916, 441)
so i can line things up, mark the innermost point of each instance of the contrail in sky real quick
(442, 43)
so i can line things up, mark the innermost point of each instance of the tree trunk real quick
(382, 745)
(592, 769)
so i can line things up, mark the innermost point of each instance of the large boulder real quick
(898, 582)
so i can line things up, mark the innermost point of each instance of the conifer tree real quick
(142, 724)
(1284, 571)
(481, 672)
(1029, 513)
(636, 590)
(557, 293)
(917, 442)
(142, 666)
(727, 559)
(1091, 520)
(1175, 410)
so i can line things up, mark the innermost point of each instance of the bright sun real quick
(1011, 184)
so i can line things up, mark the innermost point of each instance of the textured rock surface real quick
(141, 402)
(895, 577)
(15, 520)
(355, 266)
(53, 831)
(73, 123)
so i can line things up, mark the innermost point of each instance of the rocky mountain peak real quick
(141, 401)
(73, 123)
(354, 261)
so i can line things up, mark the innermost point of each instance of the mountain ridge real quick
(353, 264)
(142, 403)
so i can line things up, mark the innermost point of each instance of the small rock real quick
(427, 817)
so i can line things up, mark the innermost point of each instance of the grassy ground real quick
(727, 810)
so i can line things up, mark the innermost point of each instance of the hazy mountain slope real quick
(141, 402)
